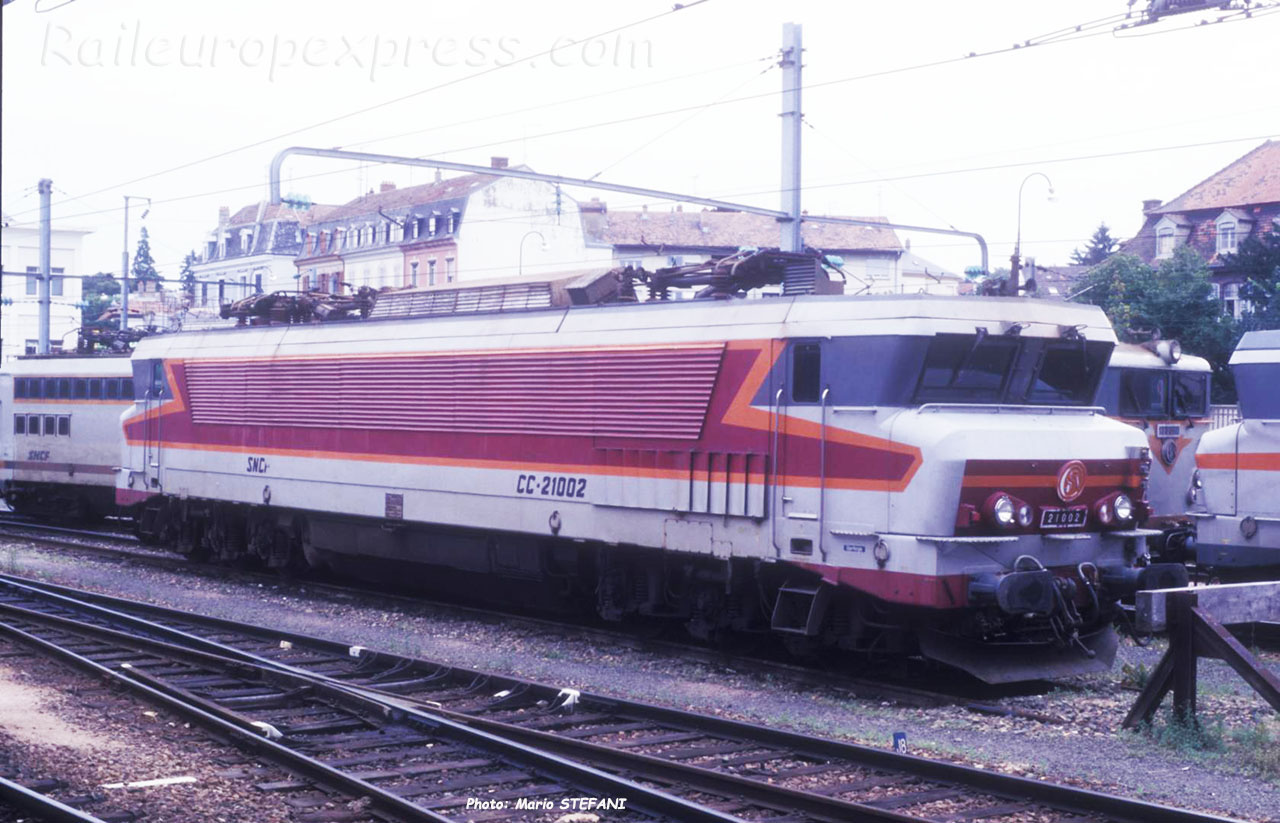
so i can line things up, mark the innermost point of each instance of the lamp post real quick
(124, 255)
(527, 235)
(1015, 270)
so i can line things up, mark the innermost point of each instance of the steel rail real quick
(577, 775)
(860, 686)
(43, 807)
(1007, 786)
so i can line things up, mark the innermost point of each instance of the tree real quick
(1175, 301)
(97, 293)
(188, 277)
(1101, 246)
(1258, 259)
(144, 267)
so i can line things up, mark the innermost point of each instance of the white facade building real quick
(19, 309)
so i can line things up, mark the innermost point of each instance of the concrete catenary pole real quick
(46, 235)
(124, 271)
(791, 121)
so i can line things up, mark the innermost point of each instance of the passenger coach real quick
(60, 440)
(892, 474)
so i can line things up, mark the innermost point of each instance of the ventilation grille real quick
(636, 392)
(434, 302)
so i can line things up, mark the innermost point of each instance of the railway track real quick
(884, 685)
(318, 693)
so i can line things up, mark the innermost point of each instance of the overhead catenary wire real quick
(678, 7)
(1064, 35)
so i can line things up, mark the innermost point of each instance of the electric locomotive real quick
(1234, 494)
(60, 437)
(1165, 393)
(906, 474)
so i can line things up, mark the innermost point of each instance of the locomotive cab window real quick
(64, 425)
(1190, 394)
(1144, 392)
(19, 424)
(966, 368)
(806, 373)
(1068, 373)
(50, 425)
(33, 424)
(126, 388)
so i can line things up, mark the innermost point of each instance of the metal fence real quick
(1224, 415)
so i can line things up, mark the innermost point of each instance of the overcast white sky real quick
(97, 94)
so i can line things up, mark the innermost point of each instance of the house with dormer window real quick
(471, 227)
(1214, 217)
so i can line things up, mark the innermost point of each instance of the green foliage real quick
(97, 293)
(1258, 259)
(1176, 300)
(188, 276)
(1260, 746)
(1134, 676)
(1101, 246)
(144, 266)
(1189, 736)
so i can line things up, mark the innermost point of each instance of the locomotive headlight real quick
(1003, 511)
(1123, 507)
(1197, 482)
(1105, 514)
(1024, 515)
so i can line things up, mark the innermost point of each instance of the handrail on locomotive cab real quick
(822, 472)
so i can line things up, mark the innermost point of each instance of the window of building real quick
(64, 425)
(448, 270)
(431, 272)
(51, 387)
(1164, 243)
(19, 388)
(126, 388)
(95, 389)
(33, 283)
(30, 346)
(1231, 299)
(431, 225)
(64, 388)
(80, 388)
(111, 390)
(1226, 238)
(453, 221)
(19, 424)
(413, 272)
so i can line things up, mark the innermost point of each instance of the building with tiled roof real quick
(872, 256)
(471, 227)
(251, 251)
(1214, 217)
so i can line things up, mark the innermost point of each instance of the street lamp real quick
(527, 235)
(124, 264)
(1015, 270)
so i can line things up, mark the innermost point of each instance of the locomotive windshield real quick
(1156, 393)
(1258, 387)
(982, 368)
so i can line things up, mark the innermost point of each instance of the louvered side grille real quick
(621, 393)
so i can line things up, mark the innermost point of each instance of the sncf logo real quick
(1072, 478)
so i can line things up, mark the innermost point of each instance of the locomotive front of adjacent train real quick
(960, 491)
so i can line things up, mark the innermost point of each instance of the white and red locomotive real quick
(1234, 495)
(893, 474)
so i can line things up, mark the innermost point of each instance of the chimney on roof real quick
(644, 212)
(679, 207)
(439, 175)
(387, 185)
(498, 162)
(1150, 205)
(594, 206)
(224, 215)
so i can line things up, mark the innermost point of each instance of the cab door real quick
(800, 454)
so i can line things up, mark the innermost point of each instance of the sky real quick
(924, 113)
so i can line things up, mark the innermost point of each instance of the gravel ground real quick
(1233, 769)
(56, 723)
